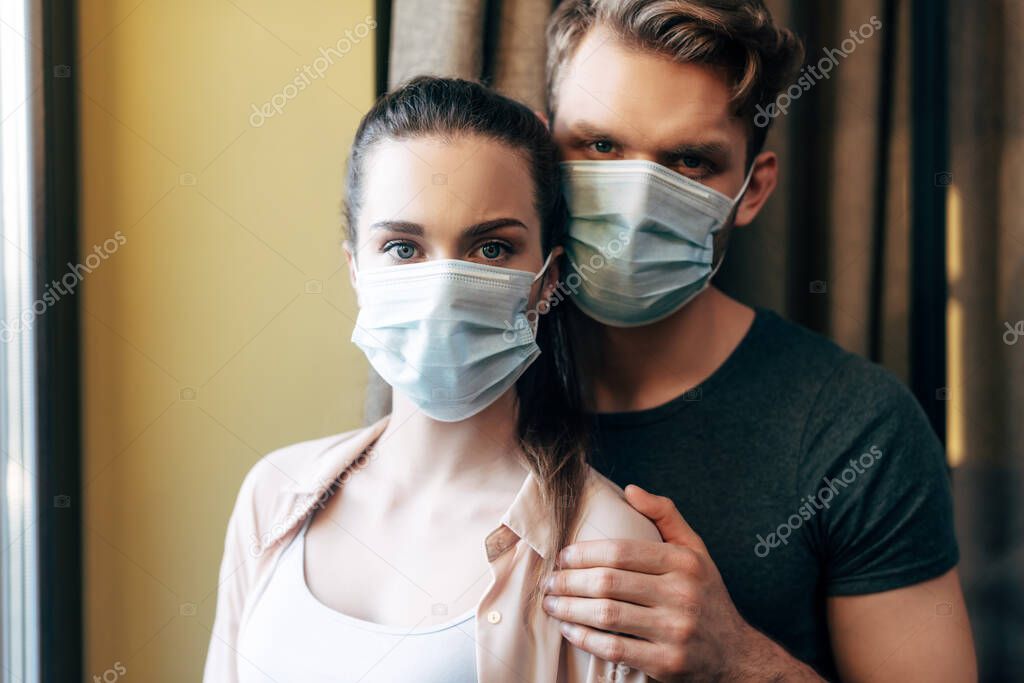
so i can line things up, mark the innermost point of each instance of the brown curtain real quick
(501, 43)
(986, 232)
(832, 250)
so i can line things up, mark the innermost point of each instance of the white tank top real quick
(292, 636)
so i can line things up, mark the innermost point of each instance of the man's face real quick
(616, 102)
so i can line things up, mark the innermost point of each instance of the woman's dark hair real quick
(450, 107)
(553, 431)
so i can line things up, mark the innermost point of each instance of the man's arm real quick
(671, 597)
(917, 633)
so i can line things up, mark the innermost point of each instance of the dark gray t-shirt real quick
(807, 471)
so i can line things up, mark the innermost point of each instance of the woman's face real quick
(469, 198)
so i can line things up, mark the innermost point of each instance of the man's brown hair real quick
(736, 35)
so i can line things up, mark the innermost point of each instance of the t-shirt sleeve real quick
(875, 474)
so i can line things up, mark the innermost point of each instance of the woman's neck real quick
(416, 450)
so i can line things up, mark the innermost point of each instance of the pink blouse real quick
(283, 489)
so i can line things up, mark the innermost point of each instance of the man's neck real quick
(637, 368)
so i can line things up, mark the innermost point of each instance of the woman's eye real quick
(603, 146)
(492, 250)
(692, 161)
(400, 250)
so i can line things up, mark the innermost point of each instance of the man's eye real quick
(603, 146)
(695, 167)
(400, 250)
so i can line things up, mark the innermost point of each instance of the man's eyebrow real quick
(696, 148)
(590, 130)
(712, 148)
(488, 226)
(399, 226)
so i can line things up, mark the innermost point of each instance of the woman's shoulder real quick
(305, 466)
(287, 465)
(607, 514)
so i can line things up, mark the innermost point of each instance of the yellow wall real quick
(208, 340)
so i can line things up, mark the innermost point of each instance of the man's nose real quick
(640, 155)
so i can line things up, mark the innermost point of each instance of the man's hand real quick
(668, 595)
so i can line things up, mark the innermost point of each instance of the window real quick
(19, 604)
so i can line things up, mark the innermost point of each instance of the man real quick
(817, 539)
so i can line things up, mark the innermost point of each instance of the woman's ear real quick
(549, 283)
(350, 260)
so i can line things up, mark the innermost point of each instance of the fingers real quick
(634, 653)
(607, 615)
(648, 557)
(602, 582)
(662, 511)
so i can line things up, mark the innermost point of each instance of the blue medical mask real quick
(641, 238)
(450, 335)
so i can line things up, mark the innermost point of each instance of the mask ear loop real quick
(750, 174)
(736, 199)
(735, 203)
(355, 268)
(535, 322)
(544, 268)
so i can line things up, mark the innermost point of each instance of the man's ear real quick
(762, 183)
(350, 260)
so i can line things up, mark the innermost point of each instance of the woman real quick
(415, 549)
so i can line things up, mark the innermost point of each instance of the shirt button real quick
(494, 616)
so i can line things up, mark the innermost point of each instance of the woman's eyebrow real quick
(487, 226)
(399, 226)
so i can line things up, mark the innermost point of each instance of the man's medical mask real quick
(450, 335)
(641, 238)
